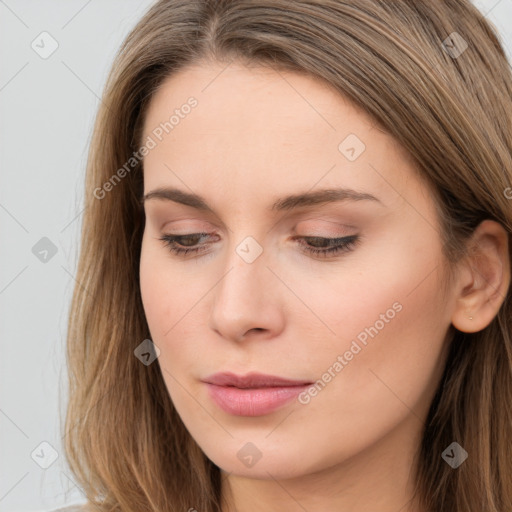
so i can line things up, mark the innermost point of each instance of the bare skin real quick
(256, 136)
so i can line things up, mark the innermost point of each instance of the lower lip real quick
(253, 402)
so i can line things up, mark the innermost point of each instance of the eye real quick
(176, 245)
(334, 245)
(324, 247)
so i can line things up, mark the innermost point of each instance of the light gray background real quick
(47, 107)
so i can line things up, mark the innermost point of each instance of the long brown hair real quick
(407, 65)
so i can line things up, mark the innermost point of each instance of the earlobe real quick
(484, 278)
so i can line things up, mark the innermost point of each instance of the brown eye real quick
(184, 244)
(326, 247)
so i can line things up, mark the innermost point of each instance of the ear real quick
(483, 278)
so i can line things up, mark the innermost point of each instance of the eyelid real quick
(188, 226)
(339, 231)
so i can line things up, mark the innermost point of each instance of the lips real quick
(252, 380)
(254, 394)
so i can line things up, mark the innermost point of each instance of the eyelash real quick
(344, 244)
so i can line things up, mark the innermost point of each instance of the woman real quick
(294, 279)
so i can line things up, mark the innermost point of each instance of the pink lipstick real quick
(254, 394)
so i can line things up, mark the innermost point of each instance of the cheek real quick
(151, 287)
(172, 306)
(390, 325)
(166, 293)
(158, 286)
(168, 303)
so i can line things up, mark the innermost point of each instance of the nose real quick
(247, 300)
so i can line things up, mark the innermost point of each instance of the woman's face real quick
(365, 326)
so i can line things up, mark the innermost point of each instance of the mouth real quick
(254, 394)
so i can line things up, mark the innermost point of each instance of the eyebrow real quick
(291, 202)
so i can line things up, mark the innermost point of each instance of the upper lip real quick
(251, 380)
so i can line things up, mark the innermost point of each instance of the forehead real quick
(257, 125)
(230, 95)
